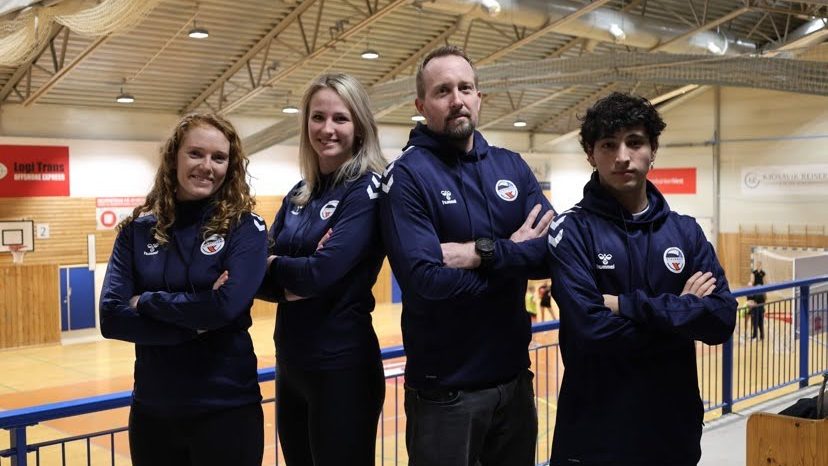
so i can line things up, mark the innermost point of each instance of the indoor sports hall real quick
(90, 89)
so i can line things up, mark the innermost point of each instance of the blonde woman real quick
(325, 259)
(180, 283)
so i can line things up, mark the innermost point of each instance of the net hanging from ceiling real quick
(27, 33)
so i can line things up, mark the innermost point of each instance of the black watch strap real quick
(485, 248)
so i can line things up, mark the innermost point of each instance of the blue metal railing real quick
(738, 370)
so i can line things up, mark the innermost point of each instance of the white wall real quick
(771, 129)
(759, 128)
(114, 152)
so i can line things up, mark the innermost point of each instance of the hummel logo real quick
(447, 195)
(605, 262)
(152, 249)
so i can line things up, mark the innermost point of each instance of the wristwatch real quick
(485, 248)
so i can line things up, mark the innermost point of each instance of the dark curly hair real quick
(617, 111)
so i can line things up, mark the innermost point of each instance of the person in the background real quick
(636, 285)
(756, 303)
(325, 259)
(180, 283)
(531, 303)
(465, 226)
(545, 301)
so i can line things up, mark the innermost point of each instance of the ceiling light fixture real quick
(197, 32)
(491, 7)
(417, 117)
(124, 97)
(519, 123)
(369, 54)
(617, 33)
(289, 108)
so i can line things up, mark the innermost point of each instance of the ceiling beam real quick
(63, 72)
(27, 65)
(517, 112)
(709, 25)
(263, 43)
(357, 28)
(573, 109)
(542, 32)
(433, 44)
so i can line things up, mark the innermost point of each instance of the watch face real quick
(484, 245)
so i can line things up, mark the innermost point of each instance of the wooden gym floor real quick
(45, 374)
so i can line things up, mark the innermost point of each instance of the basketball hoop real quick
(18, 251)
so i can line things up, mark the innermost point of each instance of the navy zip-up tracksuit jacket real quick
(461, 328)
(193, 353)
(331, 328)
(630, 395)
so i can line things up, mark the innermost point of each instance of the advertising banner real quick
(29, 171)
(109, 211)
(811, 180)
(674, 180)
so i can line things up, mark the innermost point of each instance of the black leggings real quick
(231, 436)
(757, 321)
(329, 417)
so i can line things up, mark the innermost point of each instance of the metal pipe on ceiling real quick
(602, 24)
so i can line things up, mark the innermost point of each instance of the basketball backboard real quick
(16, 232)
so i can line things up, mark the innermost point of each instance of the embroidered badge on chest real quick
(605, 262)
(447, 197)
(506, 190)
(674, 259)
(328, 209)
(212, 245)
(152, 249)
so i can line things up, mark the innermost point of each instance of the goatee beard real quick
(462, 131)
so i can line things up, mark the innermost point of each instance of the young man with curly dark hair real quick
(637, 284)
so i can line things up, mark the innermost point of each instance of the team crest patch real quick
(674, 259)
(328, 210)
(506, 190)
(212, 245)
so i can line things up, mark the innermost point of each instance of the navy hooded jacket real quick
(331, 328)
(193, 353)
(630, 394)
(461, 328)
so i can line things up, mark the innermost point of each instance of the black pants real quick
(329, 417)
(231, 436)
(489, 427)
(757, 320)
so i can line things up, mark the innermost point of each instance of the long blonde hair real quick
(230, 202)
(367, 154)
